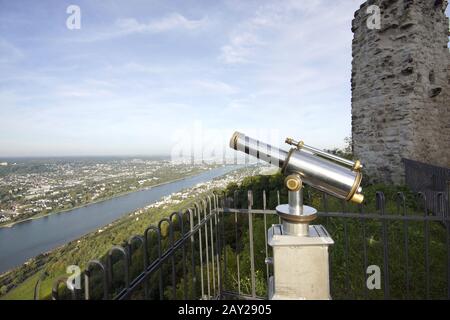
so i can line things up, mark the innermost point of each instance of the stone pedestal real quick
(300, 263)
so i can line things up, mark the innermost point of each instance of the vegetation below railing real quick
(92, 246)
(414, 252)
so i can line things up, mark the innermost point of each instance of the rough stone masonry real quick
(401, 87)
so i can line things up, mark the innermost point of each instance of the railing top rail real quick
(348, 215)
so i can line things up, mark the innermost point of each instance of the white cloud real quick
(170, 22)
(298, 25)
(83, 93)
(9, 53)
(8, 99)
(127, 26)
(297, 57)
(133, 67)
(214, 87)
(241, 46)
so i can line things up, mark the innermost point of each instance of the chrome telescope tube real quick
(258, 149)
(316, 168)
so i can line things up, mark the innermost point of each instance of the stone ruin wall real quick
(401, 87)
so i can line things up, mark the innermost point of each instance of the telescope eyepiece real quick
(234, 139)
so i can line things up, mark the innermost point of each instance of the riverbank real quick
(29, 239)
(19, 282)
(12, 224)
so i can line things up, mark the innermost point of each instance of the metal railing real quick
(218, 250)
(430, 180)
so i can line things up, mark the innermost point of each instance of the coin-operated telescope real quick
(329, 173)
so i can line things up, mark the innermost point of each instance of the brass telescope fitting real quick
(293, 182)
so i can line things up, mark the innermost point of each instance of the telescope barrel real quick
(258, 149)
(336, 179)
(302, 145)
(325, 175)
(328, 155)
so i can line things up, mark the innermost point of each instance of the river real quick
(32, 237)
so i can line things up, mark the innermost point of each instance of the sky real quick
(139, 77)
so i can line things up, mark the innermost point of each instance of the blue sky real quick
(137, 71)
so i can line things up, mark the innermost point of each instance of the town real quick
(38, 187)
(198, 191)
